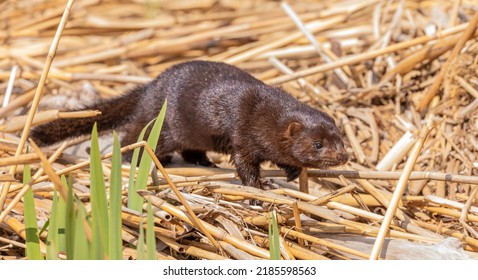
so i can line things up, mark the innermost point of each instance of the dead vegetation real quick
(400, 78)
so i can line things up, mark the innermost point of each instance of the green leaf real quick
(135, 201)
(44, 227)
(70, 221)
(132, 195)
(52, 237)
(116, 243)
(81, 247)
(33, 251)
(99, 209)
(274, 244)
(140, 246)
(150, 236)
(61, 220)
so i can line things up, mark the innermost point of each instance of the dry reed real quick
(373, 65)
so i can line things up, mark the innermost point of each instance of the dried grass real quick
(383, 69)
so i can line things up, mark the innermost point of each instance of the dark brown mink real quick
(214, 106)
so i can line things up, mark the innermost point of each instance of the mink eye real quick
(318, 145)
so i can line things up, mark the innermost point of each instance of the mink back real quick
(216, 106)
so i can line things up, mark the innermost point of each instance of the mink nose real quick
(342, 156)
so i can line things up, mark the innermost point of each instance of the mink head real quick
(314, 142)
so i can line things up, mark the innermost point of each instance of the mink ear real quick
(293, 129)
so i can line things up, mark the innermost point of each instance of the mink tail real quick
(115, 112)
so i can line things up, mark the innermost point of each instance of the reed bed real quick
(399, 77)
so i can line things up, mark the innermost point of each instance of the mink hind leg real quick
(197, 157)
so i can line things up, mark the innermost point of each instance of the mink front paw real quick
(268, 185)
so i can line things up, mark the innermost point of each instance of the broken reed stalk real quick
(19, 122)
(399, 190)
(38, 93)
(432, 91)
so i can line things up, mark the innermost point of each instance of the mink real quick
(213, 106)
